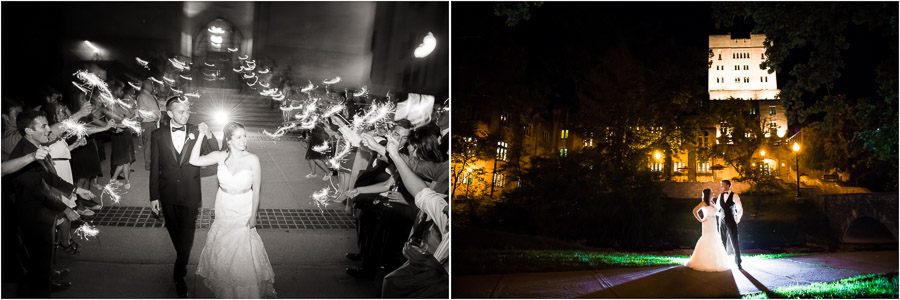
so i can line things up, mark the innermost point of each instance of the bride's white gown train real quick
(234, 262)
(709, 254)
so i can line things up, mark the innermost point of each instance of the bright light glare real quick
(90, 45)
(426, 47)
(796, 147)
(216, 30)
(216, 39)
(221, 117)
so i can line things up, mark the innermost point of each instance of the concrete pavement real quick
(677, 281)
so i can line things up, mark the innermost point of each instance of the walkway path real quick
(677, 281)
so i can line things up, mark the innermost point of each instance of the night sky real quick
(483, 44)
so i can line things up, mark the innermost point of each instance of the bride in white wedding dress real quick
(709, 254)
(234, 262)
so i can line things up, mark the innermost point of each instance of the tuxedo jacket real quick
(173, 180)
(37, 205)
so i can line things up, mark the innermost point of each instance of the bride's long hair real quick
(707, 193)
(227, 131)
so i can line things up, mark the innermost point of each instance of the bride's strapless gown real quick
(709, 254)
(234, 261)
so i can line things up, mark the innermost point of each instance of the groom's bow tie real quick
(174, 129)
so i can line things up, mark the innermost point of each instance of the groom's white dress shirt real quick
(738, 207)
(178, 137)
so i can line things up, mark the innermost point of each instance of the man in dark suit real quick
(175, 183)
(38, 201)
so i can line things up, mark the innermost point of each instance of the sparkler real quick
(145, 113)
(322, 148)
(267, 92)
(114, 190)
(209, 64)
(278, 97)
(248, 76)
(135, 86)
(264, 84)
(156, 80)
(177, 91)
(178, 64)
(123, 104)
(186, 77)
(194, 94)
(232, 49)
(92, 80)
(333, 110)
(254, 82)
(363, 91)
(280, 131)
(321, 197)
(238, 70)
(266, 71)
(133, 125)
(80, 87)
(87, 230)
(170, 81)
(72, 128)
(143, 63)
(216, 30)
(308, 88)
(243, 57)
(292, 107)
(332, 81)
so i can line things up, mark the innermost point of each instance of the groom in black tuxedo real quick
(175, 183)
(729, 215)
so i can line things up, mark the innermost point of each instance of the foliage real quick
(864, 286)
(745, 134)
(824, 91)
(470, 145)
(515, 12)
(589, 196)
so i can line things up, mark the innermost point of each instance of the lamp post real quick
(796, 149)
(468, 182)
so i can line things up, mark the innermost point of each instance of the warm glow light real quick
(90, 45)
(762, 153)
(796, 147)
(657, 155)
(469, 170)
(753, 164)
(426, 47)
(217, 39)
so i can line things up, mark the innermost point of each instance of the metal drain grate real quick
(129, 216)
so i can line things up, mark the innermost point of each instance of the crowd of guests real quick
(399, 199)
(49, 173)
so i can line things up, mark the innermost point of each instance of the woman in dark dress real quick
(86, 159)
(320, 135)
(121, 142)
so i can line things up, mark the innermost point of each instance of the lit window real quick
(519, 182)
(501, 151)
(504, 119)
(703, 167)
(564, 134)
(656, 167)
(753, 111)
(772, 111)
(563, 152)
(676, 166)
(498, 180)
(528, 129)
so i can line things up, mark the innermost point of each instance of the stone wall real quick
(843, 209)
(687, 190)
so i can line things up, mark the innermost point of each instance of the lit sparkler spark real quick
(251, 65)
(321, 197)
(267, 92)
(87, 230)
(194, 94)
(232, 49)
(216, 30)
(92, 80)
(255, 80)
(156, 80)
(72, 128)
(80, 87)
(310, 124)
(309, 87)
(209, 65)
(264, 84)
(380, 113)
(238, 70)
(248, 76)
(143, 63)
(292, 107)
(280, 131)
(186, 77)
(178, 64)
(177, 91)
(113, 189)
(170, 81)
(124, 104)
(333, 110)
(135, 86)
(278, 96)
(266, 71)
(335, 161)
(364, 90)
(243, 57)
(145, 114)
(322, 148)
(332, 81)
(133, 125)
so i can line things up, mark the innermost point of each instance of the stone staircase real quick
(250, 109)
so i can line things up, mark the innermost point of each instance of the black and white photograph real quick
(225, 149)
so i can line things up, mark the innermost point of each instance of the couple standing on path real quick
(709, 254)
(233, 261)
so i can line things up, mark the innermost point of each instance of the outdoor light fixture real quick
(762, 153)
(426, 47)
(221, 117)
(797, 156)
(657, 155)
(469, 170)
(90, 45)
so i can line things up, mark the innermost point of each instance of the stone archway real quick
(215, 51)
(867, 230)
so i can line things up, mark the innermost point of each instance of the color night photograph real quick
(226, 150)
(674, 150)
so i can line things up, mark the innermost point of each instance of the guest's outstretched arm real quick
(411, 181)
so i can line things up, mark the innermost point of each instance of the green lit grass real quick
(520, 261)
(865, 286)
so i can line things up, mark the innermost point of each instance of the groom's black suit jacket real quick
(173, 180)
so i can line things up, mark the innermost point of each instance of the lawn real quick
(865, 286)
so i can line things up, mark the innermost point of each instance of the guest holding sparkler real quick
(320, 137)
(148, 113)
(122, 147)
(39, 194)
(86, 159)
